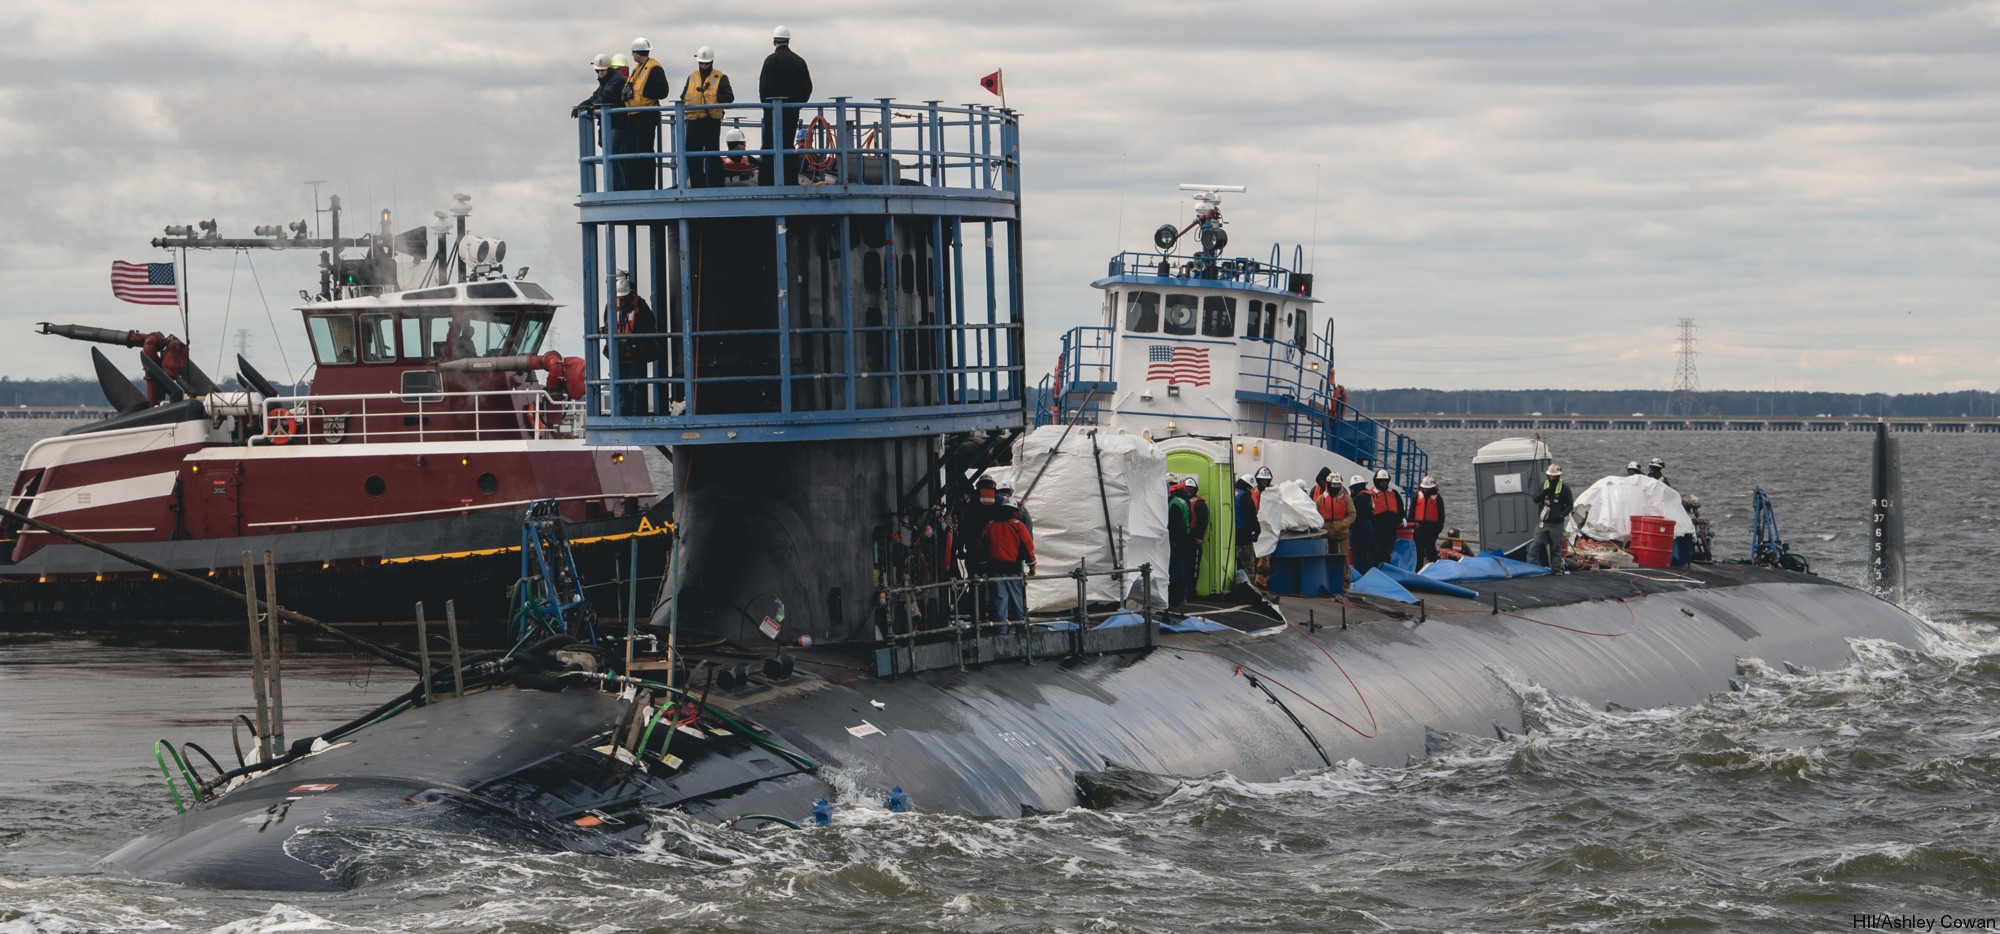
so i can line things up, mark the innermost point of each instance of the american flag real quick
(145, 283)
(1186, 365)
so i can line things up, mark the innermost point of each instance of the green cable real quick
(647, 736)
(773, 818)
(158, 746)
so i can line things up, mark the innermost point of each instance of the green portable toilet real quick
(1218, 564)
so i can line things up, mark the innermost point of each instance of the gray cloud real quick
(1514, 196)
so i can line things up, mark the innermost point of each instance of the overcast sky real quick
(1514, 195)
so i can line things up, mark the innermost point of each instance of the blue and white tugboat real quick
(844, 357)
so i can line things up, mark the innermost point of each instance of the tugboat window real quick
(1218, 316)
(332, 338)
(374, 486)
(532, 290)
(1142, 312)
(1270, 321)
(489, 484)
(489, 290)
(1250, 320)
(1300, 329)
(424, 335)
(487, 332)
(528, 339)
(378, 338)
(1181, 314)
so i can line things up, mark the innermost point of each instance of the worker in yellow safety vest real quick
(636, 131)
(706, 84)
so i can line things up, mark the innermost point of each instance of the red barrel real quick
(1652, 541)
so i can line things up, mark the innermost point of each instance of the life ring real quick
(281, 425)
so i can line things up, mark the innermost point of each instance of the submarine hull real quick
(526, 767)
(1004, 740)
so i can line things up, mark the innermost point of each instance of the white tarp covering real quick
(1286, 507)
(1604, 512)
(1069, 507)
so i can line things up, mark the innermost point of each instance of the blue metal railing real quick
(878, 318)
(882, 142)
(1268, 275)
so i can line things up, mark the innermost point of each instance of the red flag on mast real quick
(992, 83)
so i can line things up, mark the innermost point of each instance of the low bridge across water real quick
(1694, 423)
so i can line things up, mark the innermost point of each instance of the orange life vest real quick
(1427, 508)
(1386, 501)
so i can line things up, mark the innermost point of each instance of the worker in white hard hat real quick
(1427, 517)
(1361, 534)
(639, 131)
(1657, 469)
(787, 82)
(610, 91)
(706, 84)
(737, 165)
(1387, 520)
(1556, 500)
(634, 332)
(1336, 514)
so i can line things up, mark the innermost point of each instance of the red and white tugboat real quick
(429, 422)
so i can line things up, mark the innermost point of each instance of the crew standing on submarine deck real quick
(785, 78)
(1657, 469)
(1361, 534)
(1427, 512)
(1008, 551)
(705, 85)
(1388, 517)
(1336, 514)
(1556, 501)
(1180, 546)
(1246, 528)
(1198, 521)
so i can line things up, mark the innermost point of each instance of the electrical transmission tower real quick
(243, 341)
(1686, 383)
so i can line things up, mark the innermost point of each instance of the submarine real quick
(841, 358)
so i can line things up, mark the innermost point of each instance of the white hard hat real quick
(1263, 473)
(603, 60)
(620, 61)
(624, 284)
(1192, 484)
(1632, 466)
(641, 45)
(1656, 462)
(1429, 483)
(704, 55)
(1381, 473)
(733, 136)
(1357, 480)
(1555, 470)
(1245, 480)
(781, 34)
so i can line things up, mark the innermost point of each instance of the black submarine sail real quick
(837, 354)
(1885, 517)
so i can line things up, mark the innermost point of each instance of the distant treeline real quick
(78, 390)
(68, 391)
(1969, 403)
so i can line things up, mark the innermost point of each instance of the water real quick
(1793, 805)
